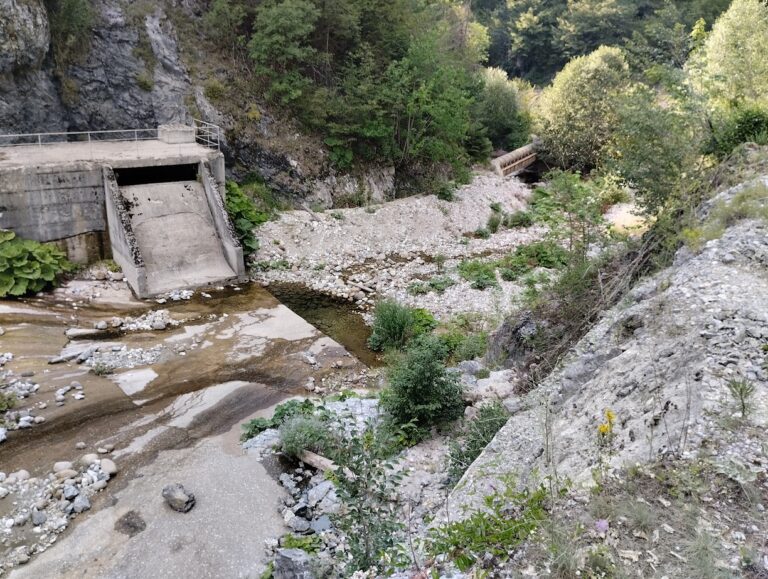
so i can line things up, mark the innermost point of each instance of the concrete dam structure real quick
(154, 203)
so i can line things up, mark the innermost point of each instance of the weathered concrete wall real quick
(52, 203)
(125, 248)
(233, 252)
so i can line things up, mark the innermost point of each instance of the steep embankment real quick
(142, 64)
(667, 363)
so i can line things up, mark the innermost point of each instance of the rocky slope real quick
(662, 362)
(146, 64)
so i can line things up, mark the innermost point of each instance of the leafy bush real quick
(747, 124)
(519, 219)
(464, 346)
(575, 124)
(423, 321)
(365, 483)
(482, 233)
(494, 222)
(481, 430)
(244, 215)
(527, 257)
(282, 413)
(7, 401)
(214, 90)
(421, 390)
(501, 109)
(28, 266)
(481, 274)
(507, 521)
(394, 325)
(300, 433)
(436, 284)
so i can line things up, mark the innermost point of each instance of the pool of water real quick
(334, 317)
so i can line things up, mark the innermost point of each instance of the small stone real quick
(70, 492)
(65, 474)
(80, 446)
(81, 504)
(38, 518)
(21, 475)
(108, 466)
(109, 447)
(99, 485)
(4, 492)
(178, 498)
(62, 465)
(39, 419)
(102, 450)
(89, 459)
(102, 325)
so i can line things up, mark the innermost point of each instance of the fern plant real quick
(28, 266)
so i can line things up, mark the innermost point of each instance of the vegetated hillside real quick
(335, 102)
(675, 377)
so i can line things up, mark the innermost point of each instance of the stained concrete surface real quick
(177, 238)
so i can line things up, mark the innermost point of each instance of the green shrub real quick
(527, 257)
(493, 530)
(519, 219)
(282, 413)
(483, 373)
(421, 390)
(70, 22)
(464, 346)
(436, 284)
(214, 90)
(300, 433)
(245, 216)
(145, 81)
(481, 430)
(496, 207)
(366, 483)
(494, 222)
(395, 324)
(446, 191)
(7, 401)
(423, 321)
(27, 266)
(481, 274)
(482, 233)
(471, 347)
(747, 124)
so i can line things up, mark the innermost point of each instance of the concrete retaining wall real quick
(48, 204)
(125, 248)
(224, 229)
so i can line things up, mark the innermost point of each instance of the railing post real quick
(39, 140)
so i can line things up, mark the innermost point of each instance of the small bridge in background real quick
(515, 162)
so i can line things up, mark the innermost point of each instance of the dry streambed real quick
(105, 384)
(366, 253)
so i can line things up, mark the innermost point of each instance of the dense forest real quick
(636, 88)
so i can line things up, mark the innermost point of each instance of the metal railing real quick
(208, 134)
(42, 139)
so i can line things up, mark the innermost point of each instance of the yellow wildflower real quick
(610, 416)
(604, 428)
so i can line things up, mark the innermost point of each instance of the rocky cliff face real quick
(134, 74)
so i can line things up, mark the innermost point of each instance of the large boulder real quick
(293, 564)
